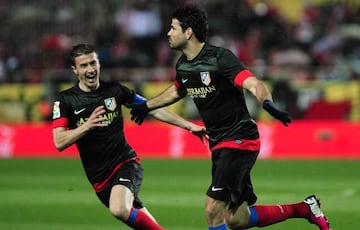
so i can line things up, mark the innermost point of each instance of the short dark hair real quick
(194, 17)
(80, 49)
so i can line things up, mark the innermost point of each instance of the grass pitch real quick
(53, 194)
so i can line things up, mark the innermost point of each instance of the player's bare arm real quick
(257, 88)
(263, 95)
(172, 118)
(167, 97)
(64, 137)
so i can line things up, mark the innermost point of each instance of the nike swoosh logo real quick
(214, 189)
(76, 112)
(184, 80)
(124, 179)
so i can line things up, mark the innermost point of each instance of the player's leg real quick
(147, 212)
(121, 206)
(238, 216)
(235, 166)
(124, 202)
(230, 184)
(214, 212)
(139, 205)
(217, 195)
(264, 215)
(121, 202)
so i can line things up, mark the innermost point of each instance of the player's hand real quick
(284, 117)
(96, 119)
(200, 132)
(138, 112)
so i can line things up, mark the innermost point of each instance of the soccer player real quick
(215, 79)
(89, 115)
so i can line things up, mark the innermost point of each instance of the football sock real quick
(263, 215)
(219, 227)
(139, 220)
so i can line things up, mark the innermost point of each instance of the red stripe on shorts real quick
(99, 186)
(243, 144)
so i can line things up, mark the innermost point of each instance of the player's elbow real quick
(60, 148)
(59, 139)
(59, 145)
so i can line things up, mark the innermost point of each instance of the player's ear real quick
(74, 70)
(188, 33)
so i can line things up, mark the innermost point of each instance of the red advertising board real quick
(301, 140)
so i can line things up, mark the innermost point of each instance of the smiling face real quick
(177, 37)
(87, 69)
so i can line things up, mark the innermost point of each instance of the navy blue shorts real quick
(231, 180)
(131, 175)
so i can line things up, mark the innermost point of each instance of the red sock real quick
(268, 215)
(141, 221)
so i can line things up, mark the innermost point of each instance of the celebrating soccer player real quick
(215, 78)
(89, 114)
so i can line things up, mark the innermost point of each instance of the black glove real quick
(284, 117)
(138, 112)
(202, 135)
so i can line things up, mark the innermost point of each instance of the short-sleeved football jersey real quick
(210, 80)
(104, 148)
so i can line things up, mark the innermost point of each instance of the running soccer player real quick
(89, 115)
(215, 79)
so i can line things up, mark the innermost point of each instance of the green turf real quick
(55, 195)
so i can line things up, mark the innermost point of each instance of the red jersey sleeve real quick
(61, 122)
(241, 76)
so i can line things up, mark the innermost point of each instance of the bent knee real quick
(239, 219)
(236, 223)
(121, 213)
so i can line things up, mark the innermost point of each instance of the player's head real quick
(80, 49)
(193, 17)
(86, 66)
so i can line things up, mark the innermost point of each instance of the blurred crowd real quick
(37, 35)
(321, 43)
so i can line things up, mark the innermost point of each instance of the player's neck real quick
(88, 88)
(193, 50)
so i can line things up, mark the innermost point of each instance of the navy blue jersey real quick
(211, 80)
(101, 149)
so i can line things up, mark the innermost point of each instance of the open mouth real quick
(91, 76)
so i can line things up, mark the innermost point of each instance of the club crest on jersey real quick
(110, 103)
(205, 78)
